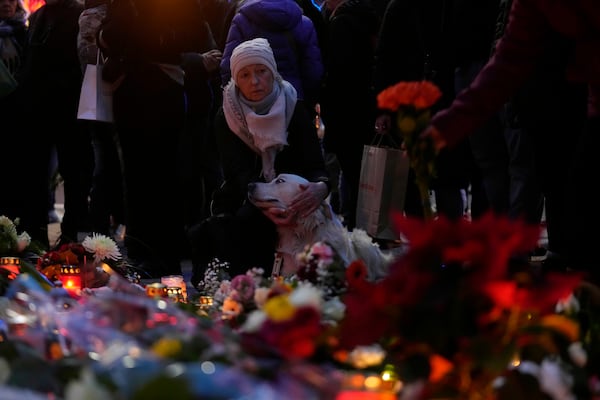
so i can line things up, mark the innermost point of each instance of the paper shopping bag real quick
(95, 99)
(382, 190)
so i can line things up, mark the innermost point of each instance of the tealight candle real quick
(156, 290)
(175, 281)
(175, 293)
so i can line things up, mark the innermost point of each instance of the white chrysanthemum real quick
(306, 295)
(102, 247)
(8, 226)
(334, 309)
(86, 388)
(23, 240)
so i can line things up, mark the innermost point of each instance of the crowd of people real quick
(214, 94)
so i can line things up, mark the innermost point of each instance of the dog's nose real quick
(251, 186)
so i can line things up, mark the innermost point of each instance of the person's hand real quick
(309, 199)
(431, 133)
(383, 123)
(281, 216)
(212, 60)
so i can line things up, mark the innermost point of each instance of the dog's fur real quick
(322, 225)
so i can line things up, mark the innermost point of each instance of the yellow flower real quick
(279, 308)
(167, 347)
(407, 124)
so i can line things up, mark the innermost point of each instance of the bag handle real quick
(100, 59)
(378, 139)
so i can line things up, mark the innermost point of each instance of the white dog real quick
(322, 225)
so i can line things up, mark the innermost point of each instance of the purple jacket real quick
(292, 37)
(514, 60)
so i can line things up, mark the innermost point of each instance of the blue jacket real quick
(292, 37)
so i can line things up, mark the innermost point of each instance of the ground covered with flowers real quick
(451, 320)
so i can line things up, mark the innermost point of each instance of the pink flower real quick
(243, 285)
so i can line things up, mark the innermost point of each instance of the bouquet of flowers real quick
(98, 255)
(457, 322)
(412, 102)
(15, 244)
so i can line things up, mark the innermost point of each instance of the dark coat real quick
(531, 27)
(292, 37)
(302, 156)
(51, 76)
(347, 99)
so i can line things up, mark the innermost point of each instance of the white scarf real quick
(262, 126)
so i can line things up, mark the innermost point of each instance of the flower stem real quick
(425, 199)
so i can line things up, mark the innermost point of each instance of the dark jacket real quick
(292, 37)
(347, 99)
(302, 156)
(50, 78)
(152, 30)
(531, 26)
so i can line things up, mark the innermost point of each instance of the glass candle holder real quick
(175, 281)
(70, 276)
(156, 290)
(175, 293)
(11, 264)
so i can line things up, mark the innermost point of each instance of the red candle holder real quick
(70, 276)
(12, 265)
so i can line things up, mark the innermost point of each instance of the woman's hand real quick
(432, 134)
(309, 199)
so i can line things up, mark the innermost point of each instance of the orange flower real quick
(562, 324)
(419, 94)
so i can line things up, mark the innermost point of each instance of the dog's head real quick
(278, 193)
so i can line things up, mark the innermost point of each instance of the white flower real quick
(334, 309)
(23, 240)
(554, 381)
(87, 387)
(102, 247)
(306, 295)
(568, 305)
(254, 321)
(260, 296)
(577, 354)
(366, 356)
(8, 226)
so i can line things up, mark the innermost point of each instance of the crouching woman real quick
(262, 130)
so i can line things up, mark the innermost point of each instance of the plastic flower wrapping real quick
(449, 321)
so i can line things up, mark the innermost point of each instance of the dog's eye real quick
(280, 180)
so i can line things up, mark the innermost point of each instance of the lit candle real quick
(156, 290)
(175, 281)
(70, 276)
(11, 264)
